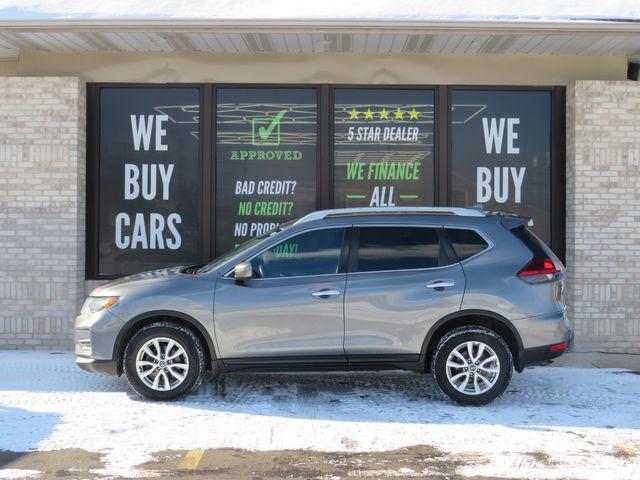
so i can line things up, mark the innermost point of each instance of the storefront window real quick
(266, 160)
(167, 187)
(500, 152)
(383, 147)
(149, 179)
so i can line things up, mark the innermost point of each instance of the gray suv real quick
(466, 295)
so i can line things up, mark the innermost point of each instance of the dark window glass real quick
(150, 180)
(533, 243)
(265, 159)
(500, 153)
(311, 253)
(383, 147)
(397, 248)
(466, 243)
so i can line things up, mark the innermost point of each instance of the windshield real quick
(242, 248)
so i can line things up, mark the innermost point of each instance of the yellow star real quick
(353, 114)
(368, 115)
(414, 114)
(399, 114)
(384, 114)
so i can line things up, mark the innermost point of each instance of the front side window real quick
(397, 248)
(310, 253)
(240, 249)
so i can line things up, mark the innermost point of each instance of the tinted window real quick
(383, 147)
(532, 242)
(311, 253)
(149, 180)
(466, 243)
(266, 141)
(501, 153)
(394, 248)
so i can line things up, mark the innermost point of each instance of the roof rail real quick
(343, 212)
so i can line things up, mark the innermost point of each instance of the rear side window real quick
(397, 248)
(532, 242)
(466, 243)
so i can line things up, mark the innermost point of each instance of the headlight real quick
(95, 304)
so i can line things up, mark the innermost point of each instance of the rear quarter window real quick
(533, 243)
(466, 243)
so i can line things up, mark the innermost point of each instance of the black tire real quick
(193, 349)
(456, 338)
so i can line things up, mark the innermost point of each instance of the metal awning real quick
(320, 36)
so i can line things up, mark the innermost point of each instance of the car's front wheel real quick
(164, 361)
(472, 365)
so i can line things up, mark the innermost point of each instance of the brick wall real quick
(603, 214)
(42, 206)
(42, 183)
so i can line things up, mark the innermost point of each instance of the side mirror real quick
(243, 271)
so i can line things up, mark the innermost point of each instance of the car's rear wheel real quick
(472, 365)
(164, 361)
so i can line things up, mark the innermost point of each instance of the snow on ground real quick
(14, 473)
(551, 423)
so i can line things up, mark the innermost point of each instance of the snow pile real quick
(551, 423)
(365, 9)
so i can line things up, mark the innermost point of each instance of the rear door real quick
(401, 280)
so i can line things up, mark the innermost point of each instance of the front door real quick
(400, 282)
(293, 305)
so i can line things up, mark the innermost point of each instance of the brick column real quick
(603, 214)
(42, 208)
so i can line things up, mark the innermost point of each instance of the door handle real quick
(441, 284)
(325, 293)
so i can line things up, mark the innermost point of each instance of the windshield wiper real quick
(191, 269)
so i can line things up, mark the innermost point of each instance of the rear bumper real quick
(105, 367)
(540, 355)
(541, 332)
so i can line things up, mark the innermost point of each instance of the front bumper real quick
(96, 334)
(95, 340)
(105, 367)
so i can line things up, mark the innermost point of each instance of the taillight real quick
(558, 347)
(539, 266)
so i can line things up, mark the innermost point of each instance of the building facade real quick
(135, 145)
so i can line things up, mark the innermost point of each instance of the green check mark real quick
(266, 131)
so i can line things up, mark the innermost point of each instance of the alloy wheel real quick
(162, 364)
(473, 368)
